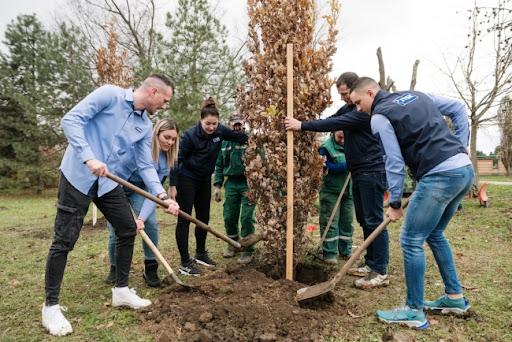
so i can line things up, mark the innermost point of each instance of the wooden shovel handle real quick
(332, 214)
(181, 213)
(365, 245)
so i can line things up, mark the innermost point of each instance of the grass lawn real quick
(480, 238)
(498, 178)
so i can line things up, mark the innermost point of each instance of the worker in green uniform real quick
(236, 207)
(339, 237)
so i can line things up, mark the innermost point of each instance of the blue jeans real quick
(431, 207)
(150, 226)
(368, 191)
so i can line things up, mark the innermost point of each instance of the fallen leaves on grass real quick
(353, 315)
(103, 326)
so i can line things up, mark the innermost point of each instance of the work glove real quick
(216, 194)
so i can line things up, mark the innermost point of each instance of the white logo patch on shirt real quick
(405, 99)
(216, 139)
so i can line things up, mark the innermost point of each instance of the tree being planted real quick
(263, 101)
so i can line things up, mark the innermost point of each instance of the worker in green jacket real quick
(339, 237)
(229, 164)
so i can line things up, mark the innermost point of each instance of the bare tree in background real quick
(481, 84)
(388, 84)
(136, 23)
(504, 119)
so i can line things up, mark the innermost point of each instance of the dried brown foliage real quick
(110, 65)
(272, 25)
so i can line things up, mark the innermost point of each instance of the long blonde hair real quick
(172, 154)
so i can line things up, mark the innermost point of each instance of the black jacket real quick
(362, 148)
(198, 152)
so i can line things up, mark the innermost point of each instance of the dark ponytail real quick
(209, 107)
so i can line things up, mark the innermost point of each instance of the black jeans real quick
(195, 194)
(72, 206)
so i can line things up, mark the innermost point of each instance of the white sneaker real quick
(123, 296)
(54, 321)
(373, 279)
(360, 271)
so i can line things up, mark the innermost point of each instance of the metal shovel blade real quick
(250, 240)
(315, 290)
(162, 260)
(319, 289)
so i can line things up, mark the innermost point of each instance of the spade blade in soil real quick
(315, 290)
(178, 281)
(318, 289)
(250, 240)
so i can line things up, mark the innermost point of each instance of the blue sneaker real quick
(404, 315)
(446, 305)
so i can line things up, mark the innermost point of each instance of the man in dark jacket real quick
(365, 162)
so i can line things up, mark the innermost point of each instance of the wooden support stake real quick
(94, 214)
(289, 164)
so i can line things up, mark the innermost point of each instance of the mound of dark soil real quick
(239, 303)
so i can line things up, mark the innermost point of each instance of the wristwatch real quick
(396, 205)
(164, 198)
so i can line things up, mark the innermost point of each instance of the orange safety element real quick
(482, 196)
(386, 197)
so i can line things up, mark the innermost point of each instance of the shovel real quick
(160, 257)
(181, 213)
(319, 289)
(332, 217)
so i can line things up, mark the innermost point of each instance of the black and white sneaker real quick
(204, 259)
(190, 269)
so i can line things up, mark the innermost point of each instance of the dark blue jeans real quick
(72, 206)
(368, 190)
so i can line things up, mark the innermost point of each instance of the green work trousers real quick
(339, 236)
(236, 201)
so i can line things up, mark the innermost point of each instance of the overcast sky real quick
(406, 30)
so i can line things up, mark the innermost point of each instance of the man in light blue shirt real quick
(100, 129)
(413, 132)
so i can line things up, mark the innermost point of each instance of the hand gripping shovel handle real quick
(318, 289)
(181, 213)
(160, 257)
(332, 215)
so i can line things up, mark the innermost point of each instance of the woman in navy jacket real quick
(199, 148)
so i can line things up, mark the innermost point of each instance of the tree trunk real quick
(414, 74)
(472, 148)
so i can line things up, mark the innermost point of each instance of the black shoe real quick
(111, 279)
(150, 273)
(190, 269)
(204, 259)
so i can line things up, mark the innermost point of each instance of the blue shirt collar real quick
(128, 96)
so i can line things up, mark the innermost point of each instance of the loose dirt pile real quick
(238, 303)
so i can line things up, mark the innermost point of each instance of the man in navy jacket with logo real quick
(414, 133)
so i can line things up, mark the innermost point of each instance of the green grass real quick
(480, 237)
(498, 178)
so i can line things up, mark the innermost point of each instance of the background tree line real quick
(45, 71)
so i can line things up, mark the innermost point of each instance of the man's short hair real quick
(363, 83)
(162, 78)
(347, 78)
